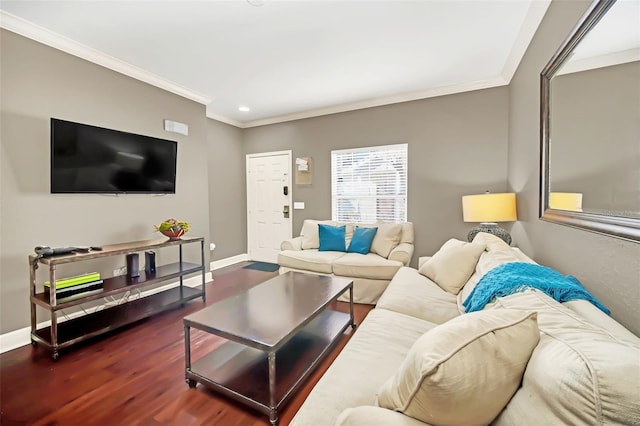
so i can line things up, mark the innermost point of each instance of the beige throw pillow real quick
(452, 265)
(492, 242)
(464, 371)
(386, 239)
(310, 234)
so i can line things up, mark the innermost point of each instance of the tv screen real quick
(89, 159)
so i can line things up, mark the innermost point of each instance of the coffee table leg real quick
(273, 416)
(353, 323)
(187, 355)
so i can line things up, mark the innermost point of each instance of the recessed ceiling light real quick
(244, 108)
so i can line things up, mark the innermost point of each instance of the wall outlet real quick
(212, 247)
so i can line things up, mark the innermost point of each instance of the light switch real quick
(298, 205)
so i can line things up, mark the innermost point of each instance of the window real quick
(369, 184)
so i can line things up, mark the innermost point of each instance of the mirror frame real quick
(616, 226)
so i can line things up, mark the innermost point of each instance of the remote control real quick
(45, 251)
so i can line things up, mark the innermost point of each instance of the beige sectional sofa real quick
(580, 368)
(391, 249)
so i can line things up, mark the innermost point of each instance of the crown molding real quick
(532, 20)
(35, 32)
(27, 29)
(381, 101)
(224, 119)
(601, 61)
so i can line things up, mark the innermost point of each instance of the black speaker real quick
(133, 270)
(150, 262)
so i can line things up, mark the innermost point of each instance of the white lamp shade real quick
(566, 201)
(489, 207)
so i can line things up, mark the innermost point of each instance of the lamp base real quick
(490, 228)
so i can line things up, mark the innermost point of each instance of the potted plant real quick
(173, 228)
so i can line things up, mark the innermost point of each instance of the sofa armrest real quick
(422, 260)
(292, 244)
(403, 253)
(368, 415)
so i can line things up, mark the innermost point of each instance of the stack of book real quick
(73, 286)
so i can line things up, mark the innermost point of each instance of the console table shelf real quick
(115, 285)
(66, 333)
(99, 322)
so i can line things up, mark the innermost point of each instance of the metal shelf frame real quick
(63, 334)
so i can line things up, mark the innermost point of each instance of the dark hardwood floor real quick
(135, 376)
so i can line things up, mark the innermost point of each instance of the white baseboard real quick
(228, 261)
(21, 337)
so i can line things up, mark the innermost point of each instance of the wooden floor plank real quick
(135, 376)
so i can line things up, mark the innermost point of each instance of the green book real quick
(71, 281)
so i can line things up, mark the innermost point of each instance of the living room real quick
(463, 143)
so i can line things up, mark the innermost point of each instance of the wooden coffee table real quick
(277, 333)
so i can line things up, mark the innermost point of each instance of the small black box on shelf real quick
(133, 270)
(150, 262)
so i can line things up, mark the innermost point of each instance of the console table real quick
(66, 333)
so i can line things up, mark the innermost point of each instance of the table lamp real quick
(566, 201)
(488, 209)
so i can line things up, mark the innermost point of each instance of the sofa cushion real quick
(365, 290)
(491, 241)
(452, 265)
(331, 237)
(371, 356)
(310, 233)
(465, 370)
(361, 240)
(368, 265)
(580, 372)
(310, 260)
(367, 415)
(387, 237)
(413, 294)
(403, 253)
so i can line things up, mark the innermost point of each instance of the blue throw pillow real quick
(331, 238)
(362, 239)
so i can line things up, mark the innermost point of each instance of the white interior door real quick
(268, 174)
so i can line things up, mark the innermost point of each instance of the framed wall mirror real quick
(590, 124)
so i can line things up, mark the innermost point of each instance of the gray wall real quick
(227, 190)
(457, 145)
(38, 82)
(607, 266)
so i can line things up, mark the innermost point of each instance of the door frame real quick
(248, 157)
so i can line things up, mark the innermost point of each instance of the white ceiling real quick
(291, 59)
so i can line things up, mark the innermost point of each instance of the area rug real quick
(263, 266)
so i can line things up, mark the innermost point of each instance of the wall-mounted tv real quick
(90, 159)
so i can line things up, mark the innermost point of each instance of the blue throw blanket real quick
(516, 277)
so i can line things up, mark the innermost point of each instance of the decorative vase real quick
(173, 234)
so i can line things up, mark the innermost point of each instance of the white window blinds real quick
(369, 184)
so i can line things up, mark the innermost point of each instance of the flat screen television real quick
(90, 159)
